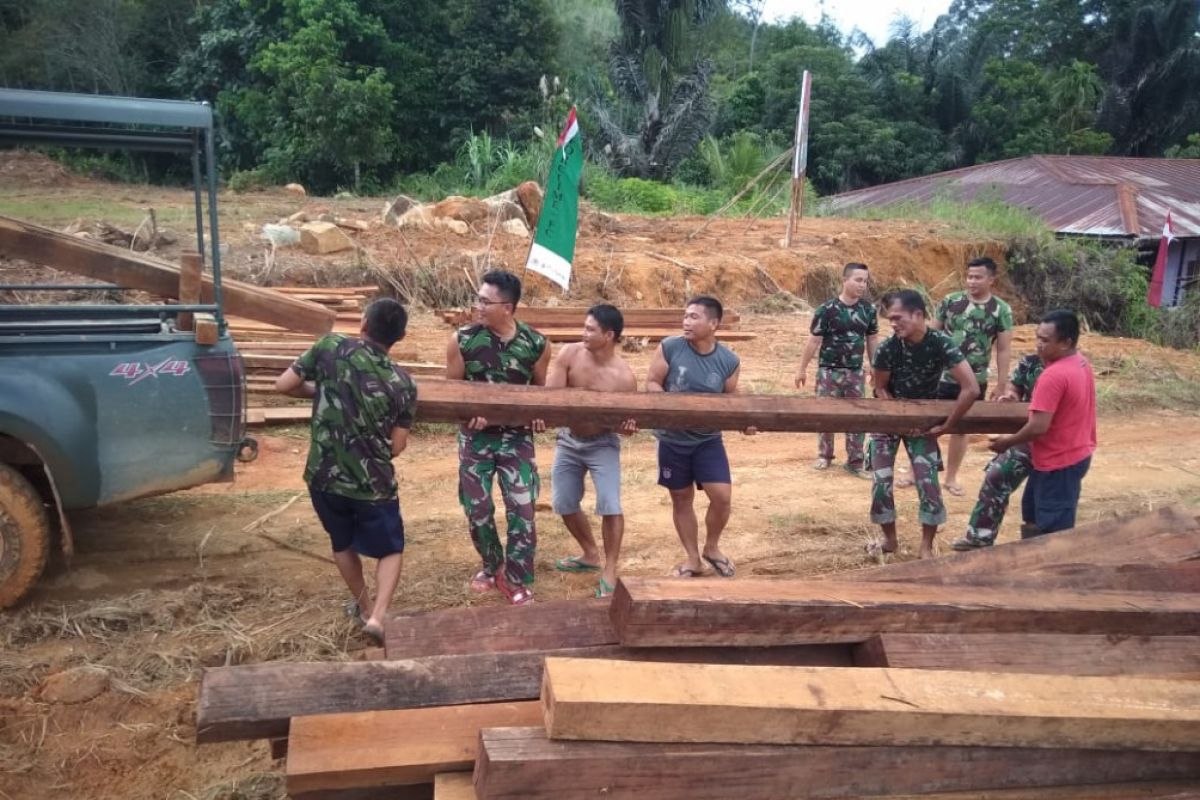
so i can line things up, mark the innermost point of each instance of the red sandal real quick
(518, 596)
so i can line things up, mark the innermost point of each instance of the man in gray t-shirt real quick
(691, 459)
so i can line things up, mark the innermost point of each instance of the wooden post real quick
(799, 159)
(190, 270)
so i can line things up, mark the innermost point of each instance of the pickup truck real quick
(108, 402)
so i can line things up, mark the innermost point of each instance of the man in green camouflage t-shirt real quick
(976, 319)
(363, 408)
(842, 328)
(499, 349)
(908, 366)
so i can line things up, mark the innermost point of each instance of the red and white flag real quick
(1154, 294)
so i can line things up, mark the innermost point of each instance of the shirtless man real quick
(592, 363)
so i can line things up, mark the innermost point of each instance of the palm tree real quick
(663, 106)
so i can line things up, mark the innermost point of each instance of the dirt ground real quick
(161, 588)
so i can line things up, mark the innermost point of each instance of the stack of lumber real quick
(563, 324)
(459, 401)
(864, 684)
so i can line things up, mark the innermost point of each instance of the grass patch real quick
(979, 219)
(58, 211)
(1171, 394)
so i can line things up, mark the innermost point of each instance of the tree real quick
(1075, 90)
(662, 107)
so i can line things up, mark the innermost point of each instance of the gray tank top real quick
(689, 371)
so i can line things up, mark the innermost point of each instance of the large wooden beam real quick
(665, 612)
(459, 401)
(392, 748)
(554, 625)
(1125, 550)
(61, 251)
(523, 764)
(1164, 656)
(624, 701)
(256, 701)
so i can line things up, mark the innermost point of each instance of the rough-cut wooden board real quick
(1153, 790)
(1167, 536)
(392, 748)
(666, 612)
(416, 791)
(125, 268)
(459, 401)
(453, 786)
(523, 764)
(282, 415)
(256, 700)
(604, 700)
(552, 625)
(1161, 656)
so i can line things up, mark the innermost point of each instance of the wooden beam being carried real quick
(1126, 549)
(459, 401)
(623, 701)
(523, 764)
(665, 612)
(256, 701)
(1161, 656)
(392, 748)
(61, 251)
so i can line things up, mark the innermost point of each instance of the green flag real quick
(553, 247)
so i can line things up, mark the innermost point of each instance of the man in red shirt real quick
(1061, 429)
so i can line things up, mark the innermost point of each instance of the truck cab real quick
(101, 403)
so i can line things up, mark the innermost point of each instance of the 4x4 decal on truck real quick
(138, 371)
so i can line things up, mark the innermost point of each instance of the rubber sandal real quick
(955, 490)
(821, 463)
(967, 543)
(604, 589)
(722, 566)
(517, 596)
(374, 632)
(482, 583)
(575, 564)
(686, 572)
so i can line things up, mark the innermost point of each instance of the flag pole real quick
(799, 159)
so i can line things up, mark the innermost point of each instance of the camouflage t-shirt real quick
(361, 396)
(974, 327)
(490, 360)
(1025, 375)
(916, 369)
(844, 330)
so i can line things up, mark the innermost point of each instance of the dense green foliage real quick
(368, 94)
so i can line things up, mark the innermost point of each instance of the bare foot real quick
(926, 551)
(954, 488)
(881, 547)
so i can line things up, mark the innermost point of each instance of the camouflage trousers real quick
(509, 453)
(1003, 475)
(841, 383)
(925, 458)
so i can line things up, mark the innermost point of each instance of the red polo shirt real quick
(1066, 389)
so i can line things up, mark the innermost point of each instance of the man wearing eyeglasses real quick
(499, 349)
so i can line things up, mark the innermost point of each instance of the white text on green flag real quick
(553, 247)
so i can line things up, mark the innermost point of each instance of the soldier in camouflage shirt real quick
(363, 408)
(1005, 473)
(976, 319)
(908, 366)
(842, 328)
(499, 349)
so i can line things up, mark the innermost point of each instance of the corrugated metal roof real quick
(1087, 195)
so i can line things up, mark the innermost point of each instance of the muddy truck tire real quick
(24, 536)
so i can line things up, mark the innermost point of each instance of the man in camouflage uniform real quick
(908, 366)
(842, 328)
(975, 319)
(363, 407)
(499, 349)
(1006, 472)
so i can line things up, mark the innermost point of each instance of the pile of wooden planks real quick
(932, 680)
(563, 323)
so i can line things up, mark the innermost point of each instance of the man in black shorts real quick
(363, 408)
(687, 460)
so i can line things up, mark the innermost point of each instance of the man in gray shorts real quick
(593, 364)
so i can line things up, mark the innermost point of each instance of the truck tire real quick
(24, 536)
